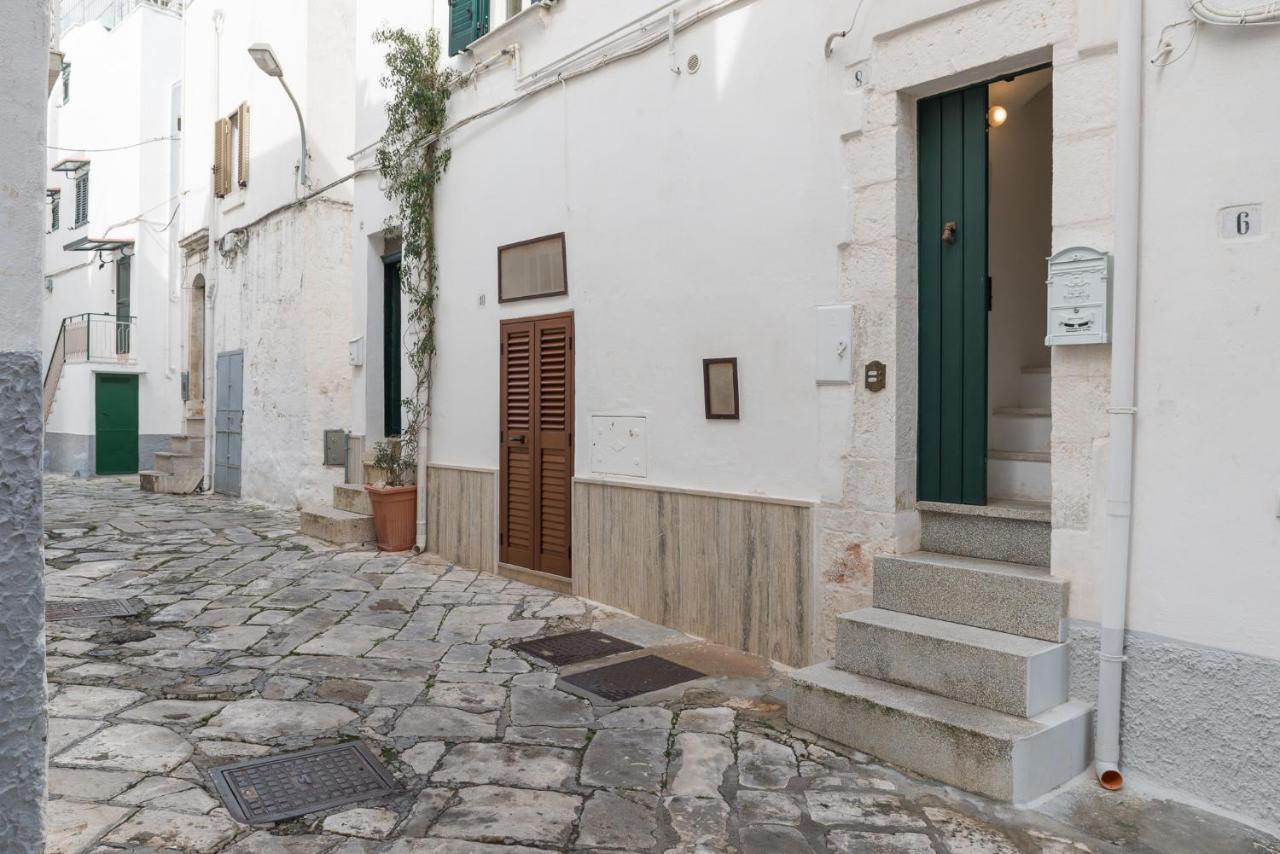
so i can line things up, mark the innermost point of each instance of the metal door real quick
(116, 424)
(228, 423)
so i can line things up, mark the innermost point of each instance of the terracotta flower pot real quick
(394, 515)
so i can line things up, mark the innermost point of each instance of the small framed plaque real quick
(720, 388)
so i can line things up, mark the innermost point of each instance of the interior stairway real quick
(959, 670)
(350, 520)
(179, 470)
(1018, 440)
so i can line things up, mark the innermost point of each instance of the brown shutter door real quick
(516, 423)
(242, 153)
(554, 449)
(221, 157)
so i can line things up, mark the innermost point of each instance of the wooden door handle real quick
(949, 231)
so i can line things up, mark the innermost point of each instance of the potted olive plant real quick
(395, 499)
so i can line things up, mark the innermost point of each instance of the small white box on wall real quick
(1079, 297)
(834, 342)
(618, 445)
(355, 352)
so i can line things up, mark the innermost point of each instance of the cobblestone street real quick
(253, 640)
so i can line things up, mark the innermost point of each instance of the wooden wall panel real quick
(461, 523)
(731, 569)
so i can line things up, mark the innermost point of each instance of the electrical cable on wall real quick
(115, 148)
(834, 37)
(1266, 14)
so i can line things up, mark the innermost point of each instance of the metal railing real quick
(106, 12)
(103, 338)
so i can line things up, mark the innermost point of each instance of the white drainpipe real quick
(424, 439)
(1115, 581)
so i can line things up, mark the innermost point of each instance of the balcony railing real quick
(104, 338)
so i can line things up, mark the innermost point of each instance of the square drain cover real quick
(574, 647)
(632, 678)
(87, 609)
(273, 788)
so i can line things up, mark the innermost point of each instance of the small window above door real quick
(532, 268)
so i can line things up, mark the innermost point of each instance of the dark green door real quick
(116, 423)
(391, 345)
(952, 463)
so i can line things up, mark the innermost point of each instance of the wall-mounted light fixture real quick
(997, 116)
(266, 59)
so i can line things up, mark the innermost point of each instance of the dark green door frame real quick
(391, 345)
(116, 423)
(952, 169)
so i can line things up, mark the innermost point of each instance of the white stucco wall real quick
(120, 97)
(279, 290)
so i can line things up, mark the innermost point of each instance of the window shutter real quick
(82, 200)
(221, 157)
(242, 154)
(553, 444)
(55, 215)
(66, 82)
(468, 21)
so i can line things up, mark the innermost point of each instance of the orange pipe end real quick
(1112, 781)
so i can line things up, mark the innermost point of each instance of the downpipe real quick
(1121, 413)
(424, 437)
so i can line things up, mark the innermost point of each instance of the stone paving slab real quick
(253, 640)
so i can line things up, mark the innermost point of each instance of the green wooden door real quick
(952, 446)
(116, 423)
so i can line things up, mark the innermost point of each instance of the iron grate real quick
(274, 788)
(87, 609)
(628, 679)
(559, 650)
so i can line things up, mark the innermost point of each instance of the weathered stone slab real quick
(159, 828)
(612, 821)
(764, 763)
(83, 701)
(129, 747)
(548, 707)
(446, 724)
(527, 766)
(699, 764)
(626, 759)
(259, 720)
(174, 711)
(496, 814)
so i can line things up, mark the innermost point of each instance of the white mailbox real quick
(1079, 297)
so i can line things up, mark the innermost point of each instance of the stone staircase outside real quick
(959, 670)
(179, 470)
(350, 520)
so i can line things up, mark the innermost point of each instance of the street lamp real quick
(265, 58)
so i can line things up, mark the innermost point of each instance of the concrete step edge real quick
(976, 637)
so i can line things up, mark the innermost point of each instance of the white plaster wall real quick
(672, 255)
(120, 83)
(280, 288)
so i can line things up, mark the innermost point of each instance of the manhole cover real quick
(628, 679)
(273, 788)
(574, 647)
(87, 609)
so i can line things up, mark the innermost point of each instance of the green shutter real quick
(952, 438)
(82, 199)
(468, 21)
(54, 214)
(66, 82)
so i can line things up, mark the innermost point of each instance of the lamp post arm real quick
(302, 127)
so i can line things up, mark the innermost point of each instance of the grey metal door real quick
(228, 424)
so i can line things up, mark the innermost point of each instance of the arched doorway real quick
(195, 348)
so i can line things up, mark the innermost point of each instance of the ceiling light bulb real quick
(997, 116)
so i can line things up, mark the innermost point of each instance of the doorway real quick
(116, 423)
(536, 442)
(391, 346)
(228, 423)
(984, 233)
(195, 348)
(124, 304)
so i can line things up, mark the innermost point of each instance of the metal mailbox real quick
(1079, 297)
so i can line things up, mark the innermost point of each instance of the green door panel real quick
(116, 423)
(952, 172)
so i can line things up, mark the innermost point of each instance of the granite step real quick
(337, 526)
(1011, 530)
(1003, 597)
(980, 750)
(1008, 673)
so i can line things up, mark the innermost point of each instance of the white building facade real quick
(109, 331)
(855, 223)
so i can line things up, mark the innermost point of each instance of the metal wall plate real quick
(628, 679)
(87, 609)
(573, 647)
(274, 788)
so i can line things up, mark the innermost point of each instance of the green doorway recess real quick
(116, 423)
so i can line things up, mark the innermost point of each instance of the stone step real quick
(194, 426)
(337, 526)
(1008, 673)
(1004, 597)
(171, 462)
(1012, 430)
(1004, 530)
(980, 750)
(193, 445)
(170, 484)
(352, 498)
(1022, 475)
(1034, 386)
(373, 474)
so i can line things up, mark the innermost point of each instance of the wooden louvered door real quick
(537, 444)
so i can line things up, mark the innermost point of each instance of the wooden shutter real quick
(221, 157)
(517, 440)
(242, 149)
(468, 21)
(82, 199)
(554, 449)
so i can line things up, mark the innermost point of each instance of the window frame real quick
(564, 256)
